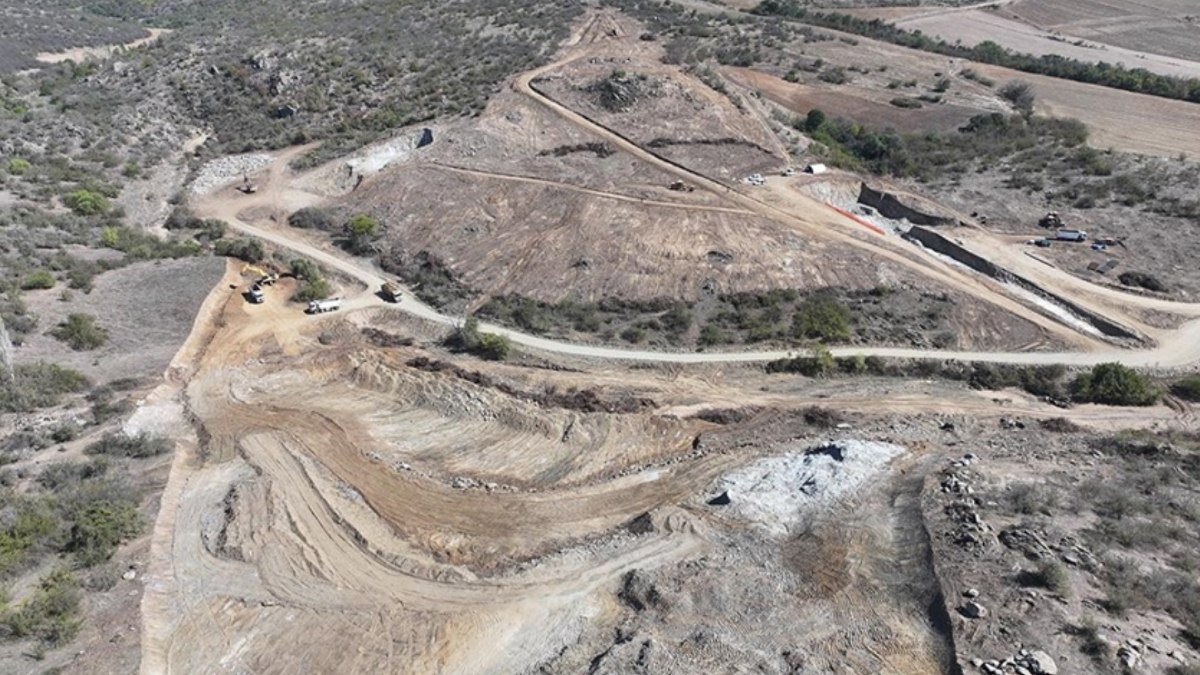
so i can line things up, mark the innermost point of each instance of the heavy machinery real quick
(390, 291)
(322, 306)
(1051, 221)
(265, 278)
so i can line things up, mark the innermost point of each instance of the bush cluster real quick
(81, 332)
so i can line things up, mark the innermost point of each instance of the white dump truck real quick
(321, 306)
(1064, 234)
(255, 294)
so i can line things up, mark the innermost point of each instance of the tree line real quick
(1116, 76)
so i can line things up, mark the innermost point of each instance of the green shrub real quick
(494, 347)
(38, 385)
(822, 318)
(1114, 384)
(140, 245)
(711, 335)
(361, 231)
(1054, 576)
(99, 528)
(86, 202)
(1187, 388)
(51, 614)
(818, 363)
(18, 166)
(311, 218)
(318, 289)
(80, 332)
(28, 525)
(305, 269)
(121, 445)
(250, 250)
(39, 280)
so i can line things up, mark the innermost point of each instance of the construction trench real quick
(940, 244)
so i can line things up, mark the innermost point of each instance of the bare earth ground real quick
(853, 102)
(339, 506)
(1118, 119)
(428, 508)
(976, 26)
(1165, 27)
(147, 309)
(514, 230)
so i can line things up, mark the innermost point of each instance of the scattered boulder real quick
(973, 610)
(1040, 663)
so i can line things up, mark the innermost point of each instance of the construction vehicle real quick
(1051, 221)
(390, 291)
(265, 278)
(255, 295)
(322, 306)
(1065, 234)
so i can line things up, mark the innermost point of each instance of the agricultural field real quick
(999, 26)
(1164, 27)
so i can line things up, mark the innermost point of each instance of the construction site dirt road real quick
(339, 505)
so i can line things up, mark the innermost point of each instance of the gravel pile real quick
(220, 171)
(777, 492)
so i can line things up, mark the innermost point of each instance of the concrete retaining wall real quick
(936, 242)
(891, 207)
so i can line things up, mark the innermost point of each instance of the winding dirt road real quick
(1178, 348)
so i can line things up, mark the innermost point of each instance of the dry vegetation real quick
(453, 501)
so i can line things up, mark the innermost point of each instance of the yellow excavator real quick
(265, 278)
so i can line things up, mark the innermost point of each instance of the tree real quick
(1114, 384)
(821, 318)
(1020, 94)
(303, 268)
(361, 230)
(814, 120)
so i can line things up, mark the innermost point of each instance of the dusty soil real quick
(857, 103)
(975, 26)
(1117, 119)
(147, 309)
(436, 515)
(574, 218)
(1166, 27)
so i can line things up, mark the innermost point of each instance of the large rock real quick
(973, 610)
(1040, 663)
